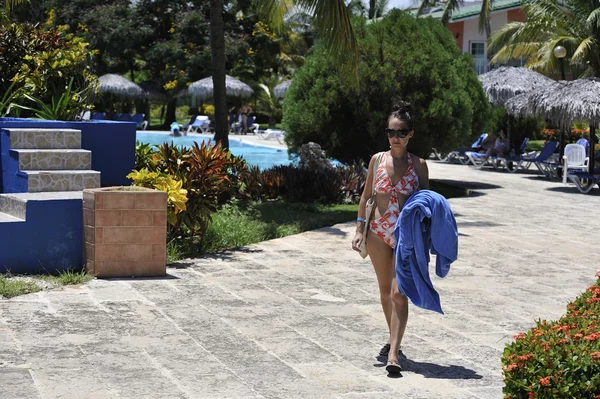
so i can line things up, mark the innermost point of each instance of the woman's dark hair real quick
(403, 110)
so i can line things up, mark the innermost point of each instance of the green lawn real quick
(243, 223)
(535, 145)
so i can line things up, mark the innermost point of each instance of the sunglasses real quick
(402, 133)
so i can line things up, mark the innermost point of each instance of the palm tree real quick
(375, 10)
(332, 24)
(574, 25)
(453, 5)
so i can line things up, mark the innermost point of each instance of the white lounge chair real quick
(271, 134)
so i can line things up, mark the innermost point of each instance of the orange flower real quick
(595, 355)
(531, 395)
(545, 381)
(511, 367)
(526, 357)
(519, 336)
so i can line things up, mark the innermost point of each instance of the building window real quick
(478, 49)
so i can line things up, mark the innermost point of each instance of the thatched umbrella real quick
(520, 105)
(569, 101)
(120, 86)
(203, 89)
(506, 82)
(282, 88)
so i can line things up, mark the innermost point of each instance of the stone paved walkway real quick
(299, 317)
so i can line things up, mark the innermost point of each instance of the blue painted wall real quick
(49, 241)
(112, 144)
(51, 238)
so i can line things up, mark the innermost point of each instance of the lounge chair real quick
(521, 160)
(460, 155)
(585, 181)
(271, 134)
(201, 122)
(139, 119)
(546, 161)
(124, 117)
(238, 128)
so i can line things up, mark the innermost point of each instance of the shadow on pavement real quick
(573, 190)
(469, 185)
(431, 370)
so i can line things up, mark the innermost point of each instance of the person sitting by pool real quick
(175, 130)
(499, 148)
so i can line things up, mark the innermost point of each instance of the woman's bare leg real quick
(382, 259)
(400, 312)
(245, 123)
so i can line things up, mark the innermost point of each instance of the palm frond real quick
(593, 19)
(515, 51)
(425, 4)
(380, 7)
(10, 4)
(584, 51)
(504, 36)
(451, 6)
(334, 27)
(274, 11)
(484, 16)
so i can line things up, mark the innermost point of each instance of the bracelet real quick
(361, 220)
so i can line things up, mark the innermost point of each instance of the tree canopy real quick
(401, 58)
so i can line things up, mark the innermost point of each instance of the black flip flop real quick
(393, 367)
(385, 350)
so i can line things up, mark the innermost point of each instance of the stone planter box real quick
(125, 232)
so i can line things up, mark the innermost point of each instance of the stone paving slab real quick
(299, 317)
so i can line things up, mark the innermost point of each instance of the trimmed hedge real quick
(559, 359)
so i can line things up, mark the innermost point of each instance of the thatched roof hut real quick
(203, 89)
(506, 82)
(282, 88)
(568, 101)
(519, 105)
(120, 86)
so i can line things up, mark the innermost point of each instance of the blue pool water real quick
(263, 157)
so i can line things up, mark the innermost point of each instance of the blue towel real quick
(426, 224)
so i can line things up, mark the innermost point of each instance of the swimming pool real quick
(263, 157)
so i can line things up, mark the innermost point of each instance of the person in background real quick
(245, 110)
(397, 175)
(499, 148)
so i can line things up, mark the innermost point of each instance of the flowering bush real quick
(576, 134)
(558, 359)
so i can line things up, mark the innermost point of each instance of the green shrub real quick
(203, 171)
(559, 359)
(41, 62)
(401, 58)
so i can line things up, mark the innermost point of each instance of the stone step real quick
(15, 205)
(44, 138)
(61, 159)
(6, 218)
(61, 180)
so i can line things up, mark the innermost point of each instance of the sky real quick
(399, 4)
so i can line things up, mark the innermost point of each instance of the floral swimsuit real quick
(409, 183)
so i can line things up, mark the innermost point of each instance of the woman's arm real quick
(423, 174)
(366, 194)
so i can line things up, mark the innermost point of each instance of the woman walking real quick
(397, 174)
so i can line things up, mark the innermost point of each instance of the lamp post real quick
(560, 52)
